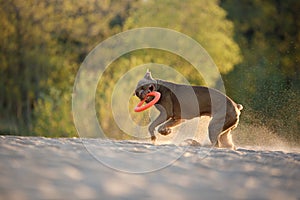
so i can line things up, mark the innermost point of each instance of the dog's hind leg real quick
(215, 127)
(225, 140)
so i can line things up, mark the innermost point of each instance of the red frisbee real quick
(140, 107)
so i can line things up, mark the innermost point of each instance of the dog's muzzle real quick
(143, 91)
(142, 95)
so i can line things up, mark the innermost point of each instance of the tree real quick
(42, 44)
(25, 48)
(268, 79)
(81, 27)
(204, 21)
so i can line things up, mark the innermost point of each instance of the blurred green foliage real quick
(267, 81)
(255, 45)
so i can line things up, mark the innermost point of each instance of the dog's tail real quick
(239, 106)
(238, 109)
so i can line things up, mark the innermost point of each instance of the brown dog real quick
(179, 102)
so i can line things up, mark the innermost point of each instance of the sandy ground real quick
(43, 168)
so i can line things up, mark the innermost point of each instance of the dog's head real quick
(145, 86)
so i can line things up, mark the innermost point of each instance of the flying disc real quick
(140, 107)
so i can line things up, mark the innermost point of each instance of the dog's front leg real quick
(165, 129)
(159, 120)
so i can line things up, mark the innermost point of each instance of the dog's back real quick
(194, 101)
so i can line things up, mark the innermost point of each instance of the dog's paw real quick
(165, 131)
(153, 139)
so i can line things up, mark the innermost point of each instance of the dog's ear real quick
(148, 75)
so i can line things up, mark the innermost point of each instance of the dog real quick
(179, 102)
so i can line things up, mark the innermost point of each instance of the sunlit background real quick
(255, 45)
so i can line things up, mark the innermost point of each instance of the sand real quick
(74, 168)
